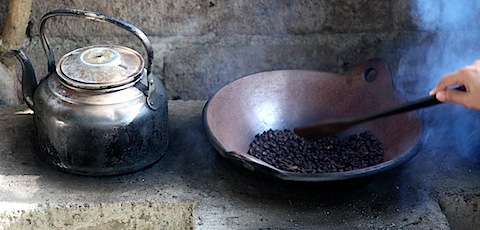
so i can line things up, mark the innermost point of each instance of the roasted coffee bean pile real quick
(285, 150)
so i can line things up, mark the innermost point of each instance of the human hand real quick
(468, 76)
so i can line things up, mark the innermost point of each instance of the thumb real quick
(454, 96)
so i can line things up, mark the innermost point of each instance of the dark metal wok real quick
(289, 98)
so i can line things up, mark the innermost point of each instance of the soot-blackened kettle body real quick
(99, 111)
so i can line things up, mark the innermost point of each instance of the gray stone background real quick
(202, 45)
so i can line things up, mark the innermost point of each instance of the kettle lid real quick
(100, 67)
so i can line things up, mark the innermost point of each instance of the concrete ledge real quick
(193, 187)
(127, 215)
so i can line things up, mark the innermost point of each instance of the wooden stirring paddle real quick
(334, 126)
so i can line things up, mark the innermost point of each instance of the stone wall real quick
(202, 45)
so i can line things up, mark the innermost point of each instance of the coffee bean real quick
(287, 151)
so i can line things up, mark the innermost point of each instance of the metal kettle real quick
(99, 111)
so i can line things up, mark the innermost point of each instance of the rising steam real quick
(449, 38)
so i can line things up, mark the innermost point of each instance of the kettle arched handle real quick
(96, 17)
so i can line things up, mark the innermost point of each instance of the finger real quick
(462, 76)
(440, 95)
(452, 96)
(476, 63)
(446, 81)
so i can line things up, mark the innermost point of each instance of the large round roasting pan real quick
(288, 98)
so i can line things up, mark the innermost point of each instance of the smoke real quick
(449, 38)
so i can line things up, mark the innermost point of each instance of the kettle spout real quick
(29, 79)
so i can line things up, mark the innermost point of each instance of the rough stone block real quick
(200, 71)
(359, 16)
(156, 17)
(402, 16)
(270, 17)
(196, 72)
(3, 12)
